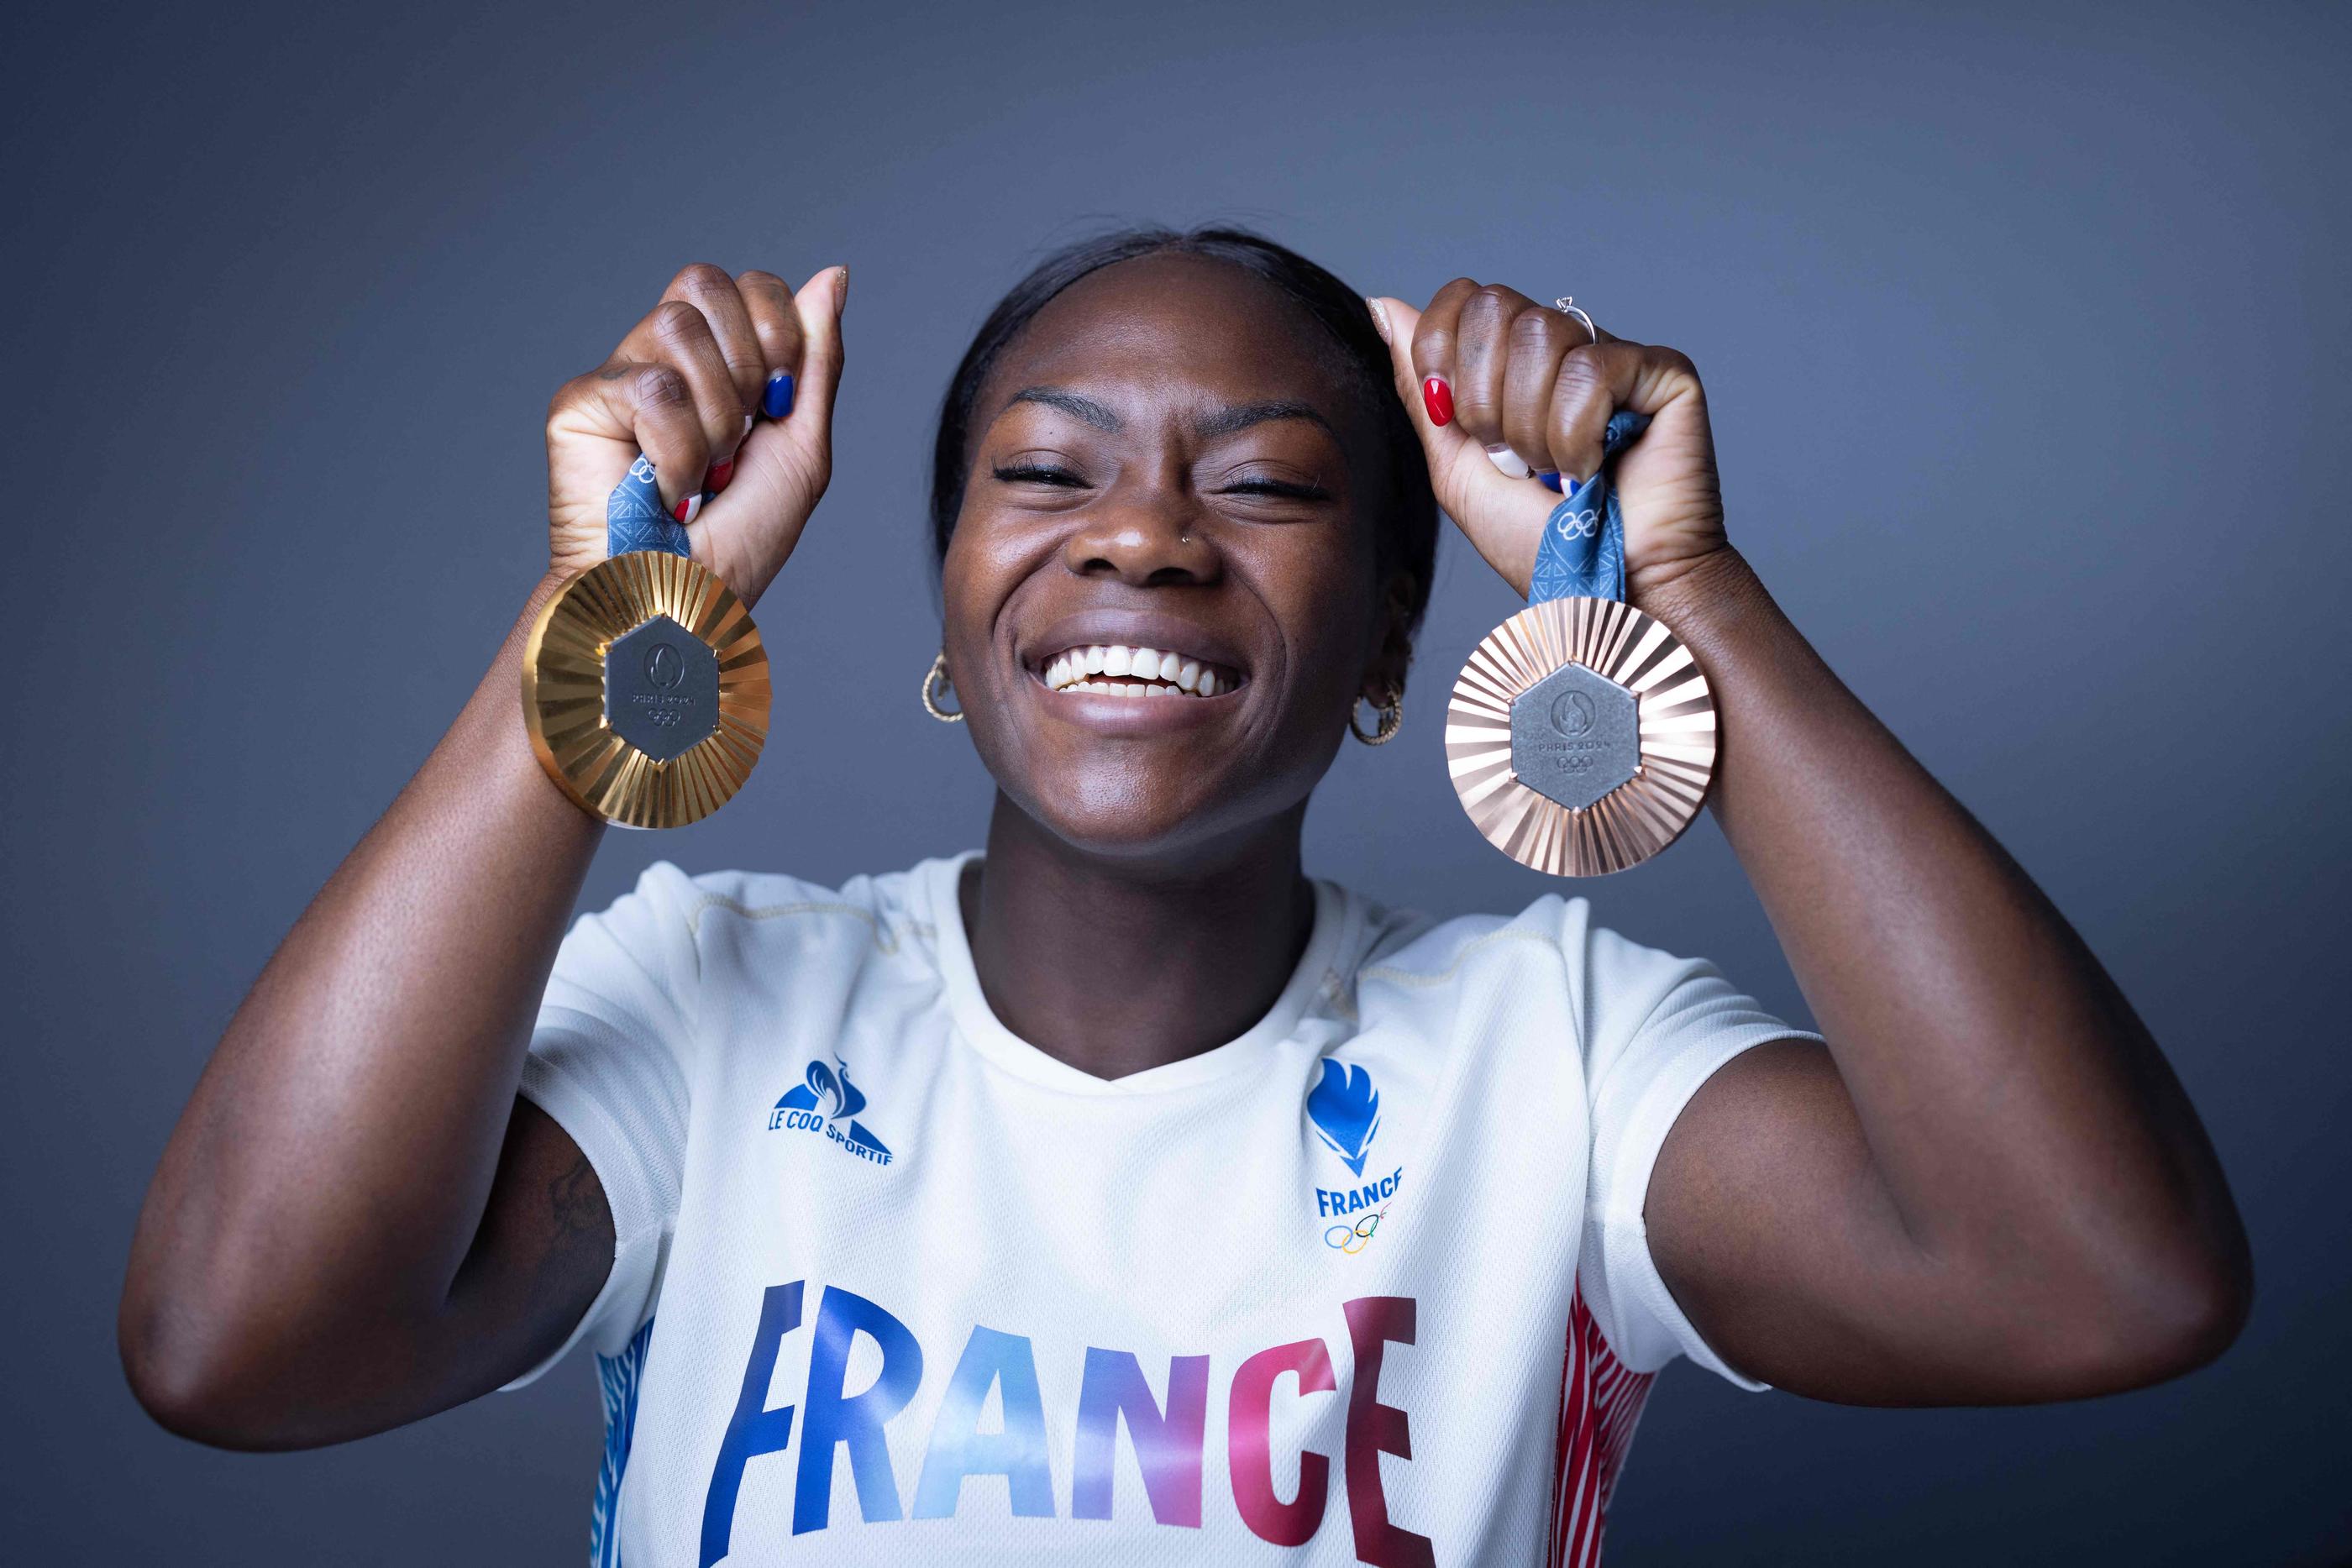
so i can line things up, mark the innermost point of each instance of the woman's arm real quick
(1989, 1186)
(343, 1235)
(356, 1222)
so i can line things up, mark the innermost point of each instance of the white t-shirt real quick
(1368, 1284)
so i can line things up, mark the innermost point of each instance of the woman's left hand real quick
(1485, 366)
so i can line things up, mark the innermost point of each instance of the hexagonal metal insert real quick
(661, 688)
(1575, 736)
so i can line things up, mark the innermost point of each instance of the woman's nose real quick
(1144, 542)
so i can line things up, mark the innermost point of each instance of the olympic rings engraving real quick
(1581, 524)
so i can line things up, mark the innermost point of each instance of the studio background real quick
(2023, 339)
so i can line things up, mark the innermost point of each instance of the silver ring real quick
(1567, 303)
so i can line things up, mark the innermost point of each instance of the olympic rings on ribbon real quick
(1353, 1238)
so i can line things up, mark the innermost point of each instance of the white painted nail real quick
(1510, 461)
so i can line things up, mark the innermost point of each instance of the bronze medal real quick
(1580, 737)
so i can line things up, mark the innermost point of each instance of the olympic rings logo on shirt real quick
(1580, 525)
(1353, 1238)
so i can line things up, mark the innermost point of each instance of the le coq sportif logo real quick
(827, 1102)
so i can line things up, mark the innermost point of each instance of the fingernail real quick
(721, 471)
(1550, 478)
(685, 511)
(1508, 461)
(777, 401)
(1379, 317)
(1438, 398)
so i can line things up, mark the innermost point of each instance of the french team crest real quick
(1346, 1110)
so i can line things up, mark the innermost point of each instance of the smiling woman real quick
(901, 1202)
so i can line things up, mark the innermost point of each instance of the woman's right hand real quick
(690, 387)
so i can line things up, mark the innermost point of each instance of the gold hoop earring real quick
(935, 680)
(1392, 719)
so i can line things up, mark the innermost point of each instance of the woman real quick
(1123, 1192)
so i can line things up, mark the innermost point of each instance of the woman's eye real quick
(1037, 474)
(1284, 488)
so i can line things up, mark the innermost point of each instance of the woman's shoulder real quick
(773, 909)
(1553, 946)
(1553, 934)
(1408, 943)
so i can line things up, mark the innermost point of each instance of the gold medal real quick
(1580, 737)
(645, 690)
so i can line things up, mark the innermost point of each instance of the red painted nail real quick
(684, 511)
(1439, 399)
(721, 471)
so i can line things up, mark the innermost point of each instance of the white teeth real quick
(1073, 669)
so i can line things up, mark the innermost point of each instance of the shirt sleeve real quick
(1657, 1026)
(610, 1059)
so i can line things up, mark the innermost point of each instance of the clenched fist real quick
(1487, 367)
(726, 385)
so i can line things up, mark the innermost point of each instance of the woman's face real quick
(1169, 457)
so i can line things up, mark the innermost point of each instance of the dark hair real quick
(1406, 521)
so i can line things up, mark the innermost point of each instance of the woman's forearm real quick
(333, 1164)
(2024, 1126)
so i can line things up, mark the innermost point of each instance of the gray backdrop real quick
(2022, 339)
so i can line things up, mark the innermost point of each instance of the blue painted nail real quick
(1550, 478)
(777, 401)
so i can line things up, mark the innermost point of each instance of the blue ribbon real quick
(634, 518)
(1583, 552)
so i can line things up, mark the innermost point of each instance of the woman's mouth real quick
(1122, 670)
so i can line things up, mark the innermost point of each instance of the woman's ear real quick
(1394, 656)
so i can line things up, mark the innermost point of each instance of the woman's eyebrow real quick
(1241, 416)
(1209, 427)
(1069, 402)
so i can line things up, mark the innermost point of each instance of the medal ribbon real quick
(1583, 552)
(634, 519)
